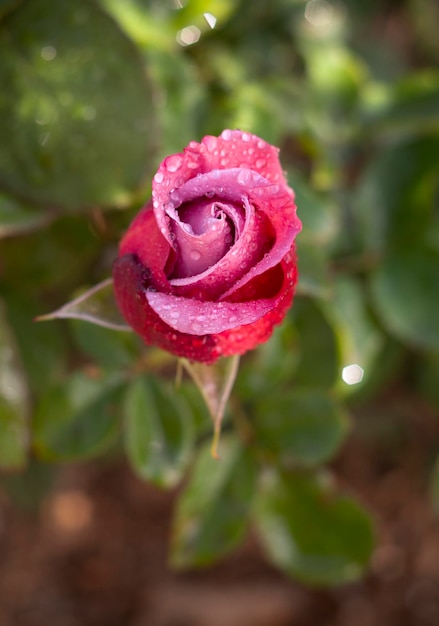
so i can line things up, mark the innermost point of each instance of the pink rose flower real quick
(208, 267)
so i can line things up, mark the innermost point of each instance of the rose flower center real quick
(203, 232)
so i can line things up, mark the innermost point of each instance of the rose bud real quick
(208, 267)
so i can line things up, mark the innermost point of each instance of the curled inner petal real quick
(203, 231)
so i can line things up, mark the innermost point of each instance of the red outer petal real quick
(145, 240)
(131, 295)
(129, 280)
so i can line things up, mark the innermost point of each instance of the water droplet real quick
(192, 165)
(209, 194)
(243, 177)
(159, 177)
(260, 163)
(195, 255)
(223, 162)
(226, 135)
(245, 137)
(261, 144)
(251, 150)
(175, 314)
(173, 162)
(156, 204)
(210, 143)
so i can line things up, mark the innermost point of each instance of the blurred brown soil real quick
(94, 552)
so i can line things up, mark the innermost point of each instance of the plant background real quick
(323, 507)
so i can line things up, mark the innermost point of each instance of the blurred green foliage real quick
(93, 95)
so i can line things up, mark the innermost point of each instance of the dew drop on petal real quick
(243, 177)
(245, 137)
(226, 135)
(261, 162)
(159, 177)
(195, 255)
(210, 143)
(173, 162)
(261, 144)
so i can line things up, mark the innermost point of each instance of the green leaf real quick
(318, 362)
(76, 115)
(78, 418)
(14, 401)
(412, 106)
(179, 85)
(405, 290)
(395, 197)
(97, 305)
(309, 531)
(313, 270)
(146, 27)
(109, 349)
(318, 214)
(304, 426)
(42, 347)
(212, 511)
(16, 218)
(272, 365)
(159, 433)
(51, 260)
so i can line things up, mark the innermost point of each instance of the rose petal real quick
(275, 201)
(203, 237)
(241, 339)
(129, 279)
(193, 317)
(144, 239)
(131, 296)
(233, 149)
(256, 239)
